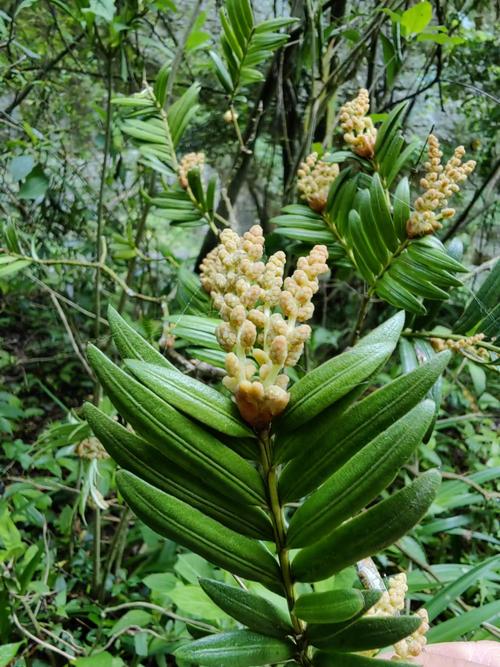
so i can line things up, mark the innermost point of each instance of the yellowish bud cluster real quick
(188, 163)
(412, 646)
(359, 131)
(392, 603)
(393, 599)
(464, 344)
(91, 448)
(315, 177)
(440, 183)
(262, 312)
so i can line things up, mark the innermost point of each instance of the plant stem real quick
(269, 474)
(363, 311)
(100, 209)
(96, 569)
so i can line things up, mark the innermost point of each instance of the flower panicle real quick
(392, 603)
(189, 162)
(263, 314)
(439, 184)
(314, 178)
(359, 132)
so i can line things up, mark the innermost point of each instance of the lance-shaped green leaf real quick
(322, 632)
(329, 607)
(331, 659)
(176, 520)
(337, 377)
(401, 208)
(423, 288)
(239, 648)
(371, 633)
(360, 480)
(251, 610)
(183, 441)
(431, 252)
(197, 400)
(368, 533)
(335, 437)
(392, 291)
(144, 460)
(382, 213)
(131, 344)
(457, 627)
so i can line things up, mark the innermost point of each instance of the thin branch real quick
(40, 642)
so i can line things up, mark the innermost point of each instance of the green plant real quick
(199, 487)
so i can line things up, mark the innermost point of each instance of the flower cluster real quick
(393, 599)
(263, 314)
(359, 131)
(315, 177)
(392, 603)
(412, 646)
(440, 183)
(188, 163)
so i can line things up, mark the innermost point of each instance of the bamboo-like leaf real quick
(423, 288)
(449, 593)
(176, 520)
(196, 399)
(338, 436)
(239, 648)
(456, 628)
(196, 330)
(382, 213)
(254, 611)
(146, 461)
(372, 633)
(131, 345)
(329, 607)
(369, 264)
(368, 533)
(360, 480)
(431, 252)
(336, 377)
(185, 443)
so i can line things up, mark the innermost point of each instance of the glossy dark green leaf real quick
(431, 252)
(337, 377)
(131, 345)
(184, 441)
(371, 228)
(363, 248)
(382, 213)
(176, 520)
(360, 480)
(146, 461)
(318, 633)
(415, 285)
(401, 208)
(335, 437)
(392, 291)
(329, 607)
(368, 533)
(196, 399)
(254, 611)
(239, 648)
(372, 633)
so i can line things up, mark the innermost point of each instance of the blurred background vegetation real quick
(75, 190)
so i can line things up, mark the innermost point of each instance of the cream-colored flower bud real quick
(232, 364)
(226, 337)
(230, 116)
(237, 316)
(258, 318)
(248, 335)
(278, 351)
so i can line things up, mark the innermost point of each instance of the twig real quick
(71, 337)
(40, 642)
(162, 610)
(488, 495)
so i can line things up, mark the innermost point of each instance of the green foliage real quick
(101, 101)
